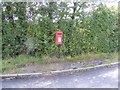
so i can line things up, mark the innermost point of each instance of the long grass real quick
(23, 60)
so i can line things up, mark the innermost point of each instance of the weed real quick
(91, 65)
(75, 68)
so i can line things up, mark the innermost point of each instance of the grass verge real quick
(23, 60)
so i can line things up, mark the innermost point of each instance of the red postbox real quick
(59, 37)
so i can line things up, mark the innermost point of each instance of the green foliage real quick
(33, 32)
(102, 29)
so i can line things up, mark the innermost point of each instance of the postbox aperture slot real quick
(59, 33)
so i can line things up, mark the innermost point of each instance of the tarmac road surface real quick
(96, 78)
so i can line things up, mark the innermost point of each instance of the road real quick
(97, 78)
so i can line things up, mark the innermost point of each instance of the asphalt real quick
(106, 77)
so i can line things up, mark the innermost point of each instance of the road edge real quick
(50, 73)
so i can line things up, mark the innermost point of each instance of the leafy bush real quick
(95, 31)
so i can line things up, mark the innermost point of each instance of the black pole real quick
(58, 50)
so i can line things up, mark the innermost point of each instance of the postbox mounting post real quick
(58, 50)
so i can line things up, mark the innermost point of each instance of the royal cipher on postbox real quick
(59, 37)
